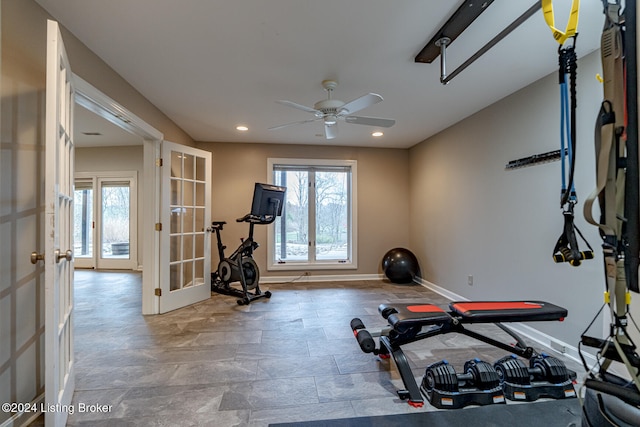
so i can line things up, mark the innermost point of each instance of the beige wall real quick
(21, 224)
(22, 86)
(470, 216)
(383, 189)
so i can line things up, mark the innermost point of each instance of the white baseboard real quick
(551, 344)
(302, 278)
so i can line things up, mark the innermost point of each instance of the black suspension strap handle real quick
(566, 249)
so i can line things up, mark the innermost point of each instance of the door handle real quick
(35, 257)
(68, 255)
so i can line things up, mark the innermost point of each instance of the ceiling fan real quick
(331, 110)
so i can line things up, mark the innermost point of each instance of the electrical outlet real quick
(470, 280)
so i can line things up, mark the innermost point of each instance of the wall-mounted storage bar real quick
(536, 159)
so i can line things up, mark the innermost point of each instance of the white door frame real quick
(78, 260)
(94, 100)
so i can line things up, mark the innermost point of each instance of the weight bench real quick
(409, 323)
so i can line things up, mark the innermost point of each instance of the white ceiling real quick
(91, 130)
(213, 64)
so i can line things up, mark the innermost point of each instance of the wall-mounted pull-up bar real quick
(441, 41)
(464, 16)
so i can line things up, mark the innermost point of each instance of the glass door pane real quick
(115, 236)
(332, 215)
(83, 222)
(292, 228)
(187, 221)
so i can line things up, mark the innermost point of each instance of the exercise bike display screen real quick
(268, 200)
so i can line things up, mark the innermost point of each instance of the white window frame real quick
(96, 178)
(352, 261)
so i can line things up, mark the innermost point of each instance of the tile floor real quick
(288, 359)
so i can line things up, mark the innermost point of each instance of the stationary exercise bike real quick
(240, 265)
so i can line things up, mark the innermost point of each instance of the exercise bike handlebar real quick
(257, 219)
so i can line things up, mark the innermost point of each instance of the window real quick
(83, 221)
(317, 228)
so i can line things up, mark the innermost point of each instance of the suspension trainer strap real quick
(610, 148)
(566, 248)
(605, 175)
(567, 61)
(572, 24)
(612, 166)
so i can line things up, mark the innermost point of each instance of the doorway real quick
(106, 109)
(105, 220)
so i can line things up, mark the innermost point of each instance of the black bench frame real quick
(406, 327)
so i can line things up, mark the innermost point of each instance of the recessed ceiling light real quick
(242, 128)
(377, 134)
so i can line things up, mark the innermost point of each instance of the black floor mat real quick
(561, 413)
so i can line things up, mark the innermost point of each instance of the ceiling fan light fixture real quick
(242, 128)
(377, 134)
(330, 111)
(330, 119)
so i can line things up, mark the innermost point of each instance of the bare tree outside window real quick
(316, 223)
(331, 215)
(115, 219)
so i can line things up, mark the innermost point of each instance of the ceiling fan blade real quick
(292, 124)
(370, 121)
(330, 131)
(298, 106)
(360, 103)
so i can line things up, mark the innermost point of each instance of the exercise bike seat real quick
(218, 224)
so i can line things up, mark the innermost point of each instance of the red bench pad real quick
(405, 316)
(507, 311)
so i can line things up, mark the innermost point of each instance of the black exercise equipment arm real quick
(263, 219)
(257, 219)
(626, 394)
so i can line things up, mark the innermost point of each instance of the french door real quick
(59, 365)
(185, 243)
(105, 220)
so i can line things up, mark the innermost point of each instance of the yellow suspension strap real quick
(572, 24)
(566, 248)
